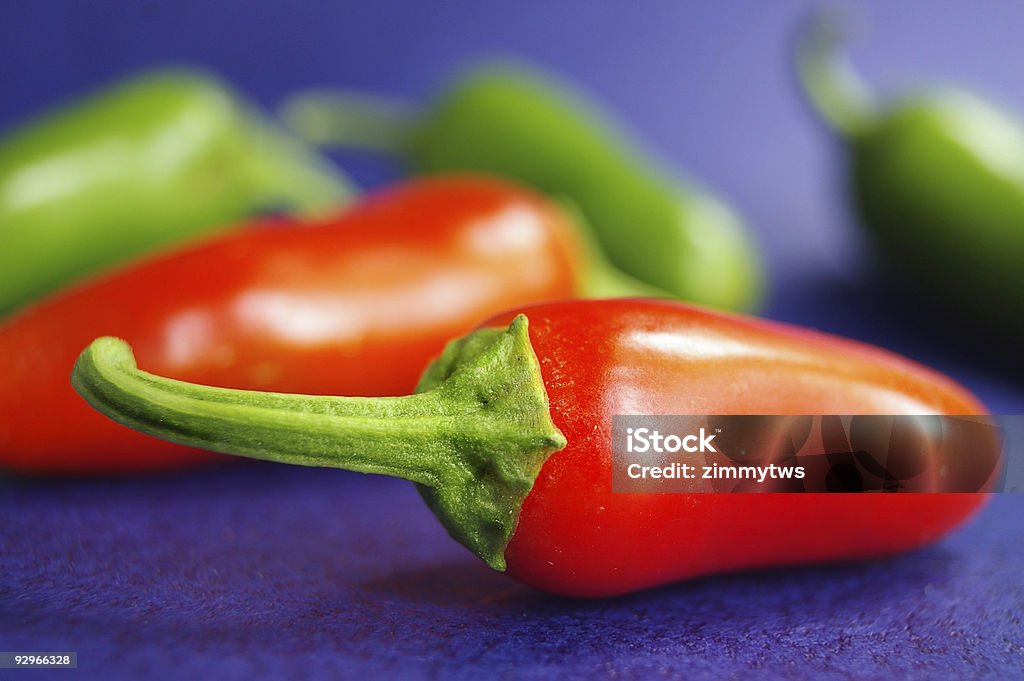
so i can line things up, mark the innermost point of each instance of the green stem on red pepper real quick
(473, 437)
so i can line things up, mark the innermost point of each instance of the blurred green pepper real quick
(937, 177)
(522, 124)
(149, 162)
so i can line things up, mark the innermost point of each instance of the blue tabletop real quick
(263, 571)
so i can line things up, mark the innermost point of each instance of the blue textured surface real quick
(257, 571)
(269, 572)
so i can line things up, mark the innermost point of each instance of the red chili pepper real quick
(509, 439)
(358, 302)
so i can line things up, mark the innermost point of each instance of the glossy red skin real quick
(575, 537)
(356, 304)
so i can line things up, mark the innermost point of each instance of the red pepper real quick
(509, 439)
(358, 302)
(576, 537)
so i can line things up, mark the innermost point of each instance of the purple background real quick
(265, 571)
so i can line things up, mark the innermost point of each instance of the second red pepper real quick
(359, 302)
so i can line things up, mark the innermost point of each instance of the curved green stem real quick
(838, 94)
(351, 120)
(473, 437)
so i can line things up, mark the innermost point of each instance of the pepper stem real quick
(473, 438)
(841, 98)
(599, 278)
(338, 118)
(287, 171)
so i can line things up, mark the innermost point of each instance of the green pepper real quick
(519, 123)
(937, 178)
(148, 162)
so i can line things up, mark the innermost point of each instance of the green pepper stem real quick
(473, 437)
(841, 98)
(285, 170)
(327, 117)
(599, 277)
